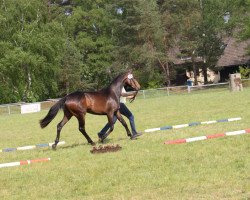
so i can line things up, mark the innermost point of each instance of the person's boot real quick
(100, 137)
(134, 136)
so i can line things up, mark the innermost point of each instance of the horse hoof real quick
(54, 147)
(92, 143)
(100, 140)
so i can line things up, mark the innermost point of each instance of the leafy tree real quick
(199, 28)
(139, 35)
(70, 73)
(245, 33)
(50, 48)
(90, 27)
(31, 53)
(245, 72)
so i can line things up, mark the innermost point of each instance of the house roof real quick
(235, 53)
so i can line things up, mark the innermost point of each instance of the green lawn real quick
(144, 168)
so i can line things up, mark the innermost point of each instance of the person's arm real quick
(128, 95)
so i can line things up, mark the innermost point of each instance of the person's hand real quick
(133, 98)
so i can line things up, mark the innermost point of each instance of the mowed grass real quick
(144, 168)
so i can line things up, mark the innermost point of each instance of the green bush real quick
(245, 72)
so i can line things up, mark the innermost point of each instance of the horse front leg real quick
(123, 122)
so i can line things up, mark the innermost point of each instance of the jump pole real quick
(30, 147)
(23, 162)
(193, 139)
(191, 124)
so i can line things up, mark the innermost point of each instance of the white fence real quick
(16, 108)
(178, 90)
(182, 90)
(23, 108)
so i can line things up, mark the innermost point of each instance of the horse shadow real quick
(74, 145)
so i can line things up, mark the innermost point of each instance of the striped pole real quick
(191, 124)
(193, 139)
(24, 162)
(30, 147)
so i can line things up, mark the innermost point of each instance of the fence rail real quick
(15, 108)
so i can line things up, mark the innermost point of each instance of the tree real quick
(199, 28)
(180, 20)
(70, 73)
(92, 34)
(50, 48)
(139, 36)
(245, 33)
(35, 52)
(30, 53)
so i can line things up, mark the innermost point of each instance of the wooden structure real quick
(235, 54)
(235, 82)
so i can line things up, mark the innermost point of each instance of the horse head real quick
(131, 81)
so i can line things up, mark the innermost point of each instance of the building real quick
(235, 55)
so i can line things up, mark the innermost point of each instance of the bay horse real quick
(103, 102)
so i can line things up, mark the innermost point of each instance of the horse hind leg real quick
(81, 121)
(60, 125)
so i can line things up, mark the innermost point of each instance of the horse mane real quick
(118, 78)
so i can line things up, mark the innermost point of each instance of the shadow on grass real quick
(75, 145)
(106, 141)
(67, 147)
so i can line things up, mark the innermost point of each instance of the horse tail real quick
(52, 113)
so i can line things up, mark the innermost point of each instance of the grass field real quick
(144, 168)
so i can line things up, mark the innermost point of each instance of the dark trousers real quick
(126, 112)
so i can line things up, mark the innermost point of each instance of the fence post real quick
(235, 82)
(143, 94)
(9, 110)
(168, 91)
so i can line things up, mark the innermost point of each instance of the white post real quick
(9, 110)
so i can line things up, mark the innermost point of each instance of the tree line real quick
(49, 48)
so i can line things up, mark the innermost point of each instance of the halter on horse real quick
(102, 102)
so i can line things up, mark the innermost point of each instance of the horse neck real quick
(116, 88)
